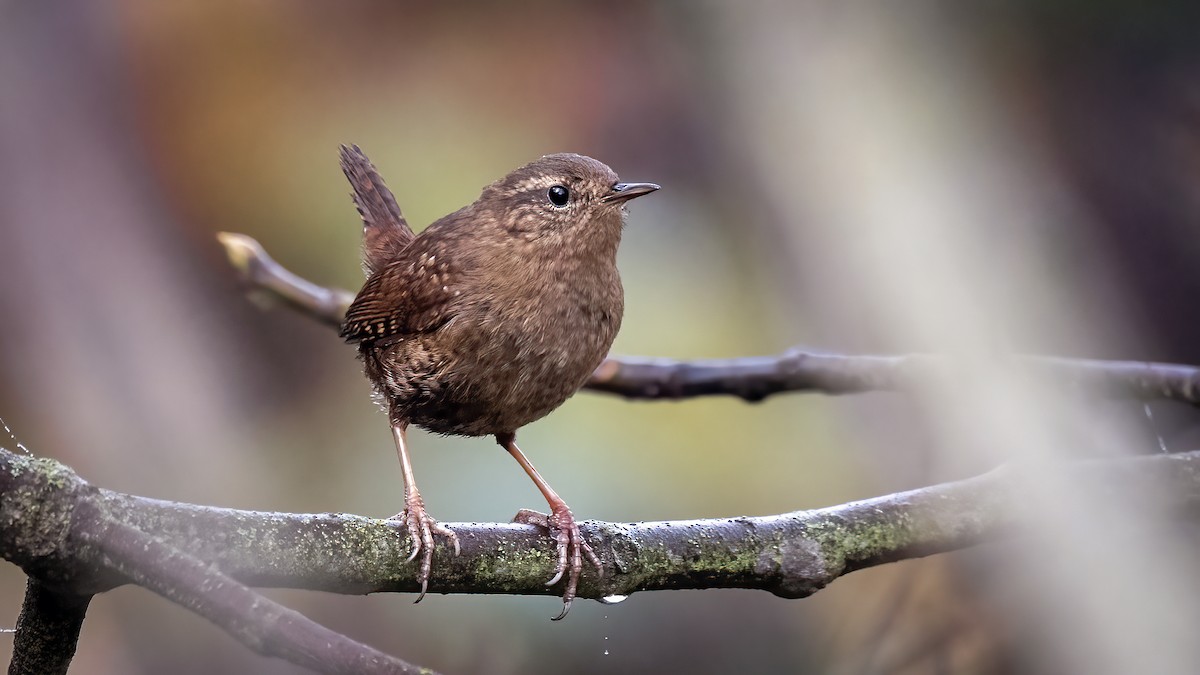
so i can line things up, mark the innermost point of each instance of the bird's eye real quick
(558, 195)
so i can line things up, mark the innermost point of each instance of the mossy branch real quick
(791, 555)
(74, 540)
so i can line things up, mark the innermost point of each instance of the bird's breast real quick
(541, 346)
(518, 352)
(567, 324)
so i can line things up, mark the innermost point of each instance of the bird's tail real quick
(385, 232)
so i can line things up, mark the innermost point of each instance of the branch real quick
(261, 624)
(261, 273)
(755, 378)
(791, 555)
(55, 526)
(47, 630)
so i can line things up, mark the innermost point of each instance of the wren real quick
(490, 318)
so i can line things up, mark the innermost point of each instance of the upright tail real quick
(385, 232)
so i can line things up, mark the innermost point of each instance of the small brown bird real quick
(491, 318)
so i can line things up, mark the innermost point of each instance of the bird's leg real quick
(561, 523)
(421, 527)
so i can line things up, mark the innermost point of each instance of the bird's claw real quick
(571, 545)
(421, 528)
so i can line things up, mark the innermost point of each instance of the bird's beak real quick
(623, 192)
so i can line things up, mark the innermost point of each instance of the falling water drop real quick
(20, 445)
(1162, 444)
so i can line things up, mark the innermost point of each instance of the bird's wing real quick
(409, 296)
(385, 231)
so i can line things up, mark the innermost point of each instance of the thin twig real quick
(755, 378)
(261, 273)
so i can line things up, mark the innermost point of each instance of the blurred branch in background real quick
(269, 278)
(84, 540)
(755, 378)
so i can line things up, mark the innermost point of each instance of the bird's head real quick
(562, 196)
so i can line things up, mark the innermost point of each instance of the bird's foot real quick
(421, 528)
(571, 548)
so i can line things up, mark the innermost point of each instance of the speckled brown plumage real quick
(493, 316)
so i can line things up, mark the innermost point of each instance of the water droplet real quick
(613, 599)
(606, 652)
(20, 445)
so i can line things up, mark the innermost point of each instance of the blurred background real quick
(971, 177)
